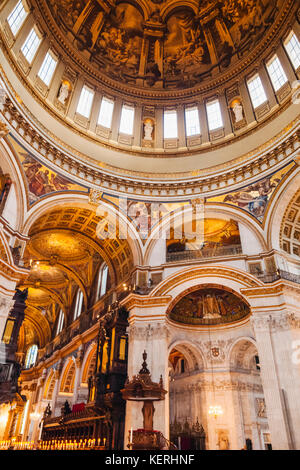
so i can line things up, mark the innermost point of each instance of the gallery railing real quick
(204, 253)
(279, 274)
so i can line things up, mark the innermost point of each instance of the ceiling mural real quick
(209, 306)
(217, 233)
(164, 45)
(40, 179)
(255, 197)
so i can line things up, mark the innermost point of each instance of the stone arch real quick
(241, 354)
(188, 278)
(10, 164)
(290, 227)
(49, 386)
(172, 7)
(68, 378)
(89, 363)
(57, 201)
(275, 219)
(192, 353)
(211, 211)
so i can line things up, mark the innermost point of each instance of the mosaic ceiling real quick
(165, 44)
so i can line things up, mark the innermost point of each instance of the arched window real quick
(101, 286)
(60, 323)
(31, 356)
(78, 304)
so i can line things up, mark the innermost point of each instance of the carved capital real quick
(261, 323)
(3, 130)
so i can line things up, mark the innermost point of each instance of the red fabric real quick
(78, 407)
(185, 443)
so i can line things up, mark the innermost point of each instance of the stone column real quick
(78, 363)
(280, 388)
(152, 338)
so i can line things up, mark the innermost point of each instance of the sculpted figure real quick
(148, 128)
(238, 111)
(63, 93)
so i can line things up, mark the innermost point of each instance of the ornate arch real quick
(290, 227)
(68, 378)
(192, 353)
(241, 353)
(89, 363)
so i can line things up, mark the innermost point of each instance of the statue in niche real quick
(148, 129)
(261, 405)
(237, 109)
(223, 441)
(63, 93)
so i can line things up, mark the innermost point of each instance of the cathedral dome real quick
(131, 86)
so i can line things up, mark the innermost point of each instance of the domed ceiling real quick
(164, 43)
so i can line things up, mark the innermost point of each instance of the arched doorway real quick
(245, 373)
(186, 428)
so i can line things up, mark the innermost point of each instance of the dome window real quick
(106, 112)
(192, 123)
(257, 92)
(85, 102)
(17, 17)
(292, 46)
(31, 45)
(214, 115)
(127, 120)
(47, 69)
(276, 72)
(170, 125)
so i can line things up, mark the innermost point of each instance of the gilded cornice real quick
(145, 301)
(277, 287)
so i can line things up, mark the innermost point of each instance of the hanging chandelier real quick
(215, 410)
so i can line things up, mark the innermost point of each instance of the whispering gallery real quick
(149, 224)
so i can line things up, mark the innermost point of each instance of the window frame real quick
(170, 112)
(54, 59)
(188, 109)
(252, 97)
(91, 92)
(28, 364)
(60, 322)
(285, 43)
(19, 27)
(79, 304)
(124, 107)
(27, 55)
(111, 101)
(274, 78)
(220, 121)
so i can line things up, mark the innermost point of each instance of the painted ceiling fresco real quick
(40, 179)
(173, 47)
(255, 197)
(209, 306)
